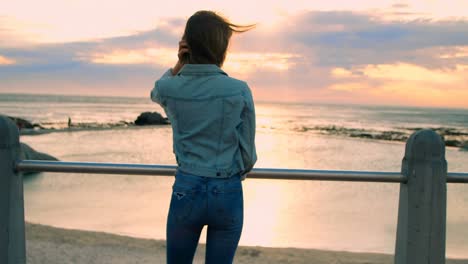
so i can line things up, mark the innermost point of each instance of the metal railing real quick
(164, 170)
(422, 205)
(270, 174)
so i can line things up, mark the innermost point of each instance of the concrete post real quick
(12, 237)
(423, 200)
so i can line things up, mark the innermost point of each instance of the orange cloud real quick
(241, 63)
(404, 72)
(6, 61)
(248, 62)
(458, 52)
(161, 56)
(431, 95)
(342, 73)
(410, 72)
(350, 87)
(405, 83)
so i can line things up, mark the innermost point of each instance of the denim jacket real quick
(213, 120)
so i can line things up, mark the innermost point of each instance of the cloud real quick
(167, 33)
(8, 37)
(456, 53)
(160, 56)
(349, 38)
(405, 83)
(331, 39)
(344, 56)
(82, 78)
(83, 67)
(400, 6)
(6, 61)
(248, 62)
(163, 36)
(404, 72)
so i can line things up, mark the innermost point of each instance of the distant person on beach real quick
(213, 123)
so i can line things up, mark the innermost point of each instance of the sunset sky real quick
(336, 51)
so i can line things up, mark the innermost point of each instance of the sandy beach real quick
(49, 245)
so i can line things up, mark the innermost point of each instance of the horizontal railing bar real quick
(168, 170)
(325, 175)
(94, 167)
(143, 169)
(457, 177)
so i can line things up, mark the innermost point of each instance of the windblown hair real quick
(207, 35)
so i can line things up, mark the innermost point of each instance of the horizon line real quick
(261, 101)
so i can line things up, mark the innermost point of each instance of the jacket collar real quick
(205, 69)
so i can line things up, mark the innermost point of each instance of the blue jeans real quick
(198, 201)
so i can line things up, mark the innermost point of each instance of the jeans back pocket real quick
(182, 202)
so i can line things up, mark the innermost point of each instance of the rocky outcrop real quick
(151, 118)
(28, 153)
(453, 137)
(464, 146)
(23, 123)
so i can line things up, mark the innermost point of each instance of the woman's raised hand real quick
(184, 51)
(183, 55)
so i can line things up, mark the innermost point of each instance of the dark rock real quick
(23, 123)
(392, 136)
(453, 143)
(464, 146)
(361, 135)
(303, 129)
(151, 118)
(448, 131)
(28, 153)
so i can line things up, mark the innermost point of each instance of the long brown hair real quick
(207, 34)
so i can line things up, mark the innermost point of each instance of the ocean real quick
(349, 216)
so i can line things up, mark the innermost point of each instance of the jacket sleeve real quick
(247, 134)
(156, 94)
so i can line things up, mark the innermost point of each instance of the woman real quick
(213, 123)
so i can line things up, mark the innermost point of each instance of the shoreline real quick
(453, 137)
(51, 245)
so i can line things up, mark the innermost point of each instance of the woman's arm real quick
(247, 134)
(182, 55)
(156, 94)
